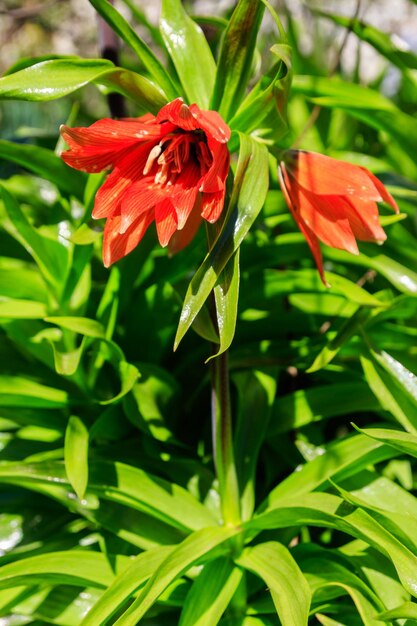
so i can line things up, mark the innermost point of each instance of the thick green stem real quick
(223, 441)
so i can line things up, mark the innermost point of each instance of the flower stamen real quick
(153, 155)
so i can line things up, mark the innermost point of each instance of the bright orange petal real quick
(138, 198)
(166, 221)
(364, 220)
(115, 245)
(181, 238)
(128, 170)
(214, 179)
(184, 192)
(178, 113)
(309, 235)
(384, 193)
(192, 118)
(323, 175)
(104, 143)
(324, 215)
(212, 124)
(212, 205)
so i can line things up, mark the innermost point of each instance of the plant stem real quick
(223, 441)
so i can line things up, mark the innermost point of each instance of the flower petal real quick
(102, 144)
(309, 235)
(212, 205)
(115, 245)
(212, 124)
(364, 220)
(181, 238)
(128, 170)
(166, 221)
(327, 217)
(326, 176)
(178, 113)
(193, 118)
(214, 179)
(138, 198)
(384, 193)
(184, 191)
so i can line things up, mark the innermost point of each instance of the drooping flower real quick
(332, 201)
(170, 168)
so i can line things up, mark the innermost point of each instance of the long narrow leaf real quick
(189, 52)
(197, 546)
(211, 593)
(289, 589)
(236, 55)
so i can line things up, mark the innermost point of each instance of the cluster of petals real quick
(332, 201)
(170, 168)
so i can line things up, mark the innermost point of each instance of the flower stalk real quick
(223, 440)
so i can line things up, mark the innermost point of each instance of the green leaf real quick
(236, 57)
(226, 295)
(264, 108)
(52, 257)
(128, 375)
(405, 442)
(132, 39)
(324, 572)
(46, 164)
(67, 363)
(248, 196)
(22, 309)
(197, 546)
(152, 399)
(125, 585)
(211, 593)
(22, 392)
(82, 325)
(338, 461)
(73, 567)
(76, 455)
(148, 96)
(403, 278)
(52, 79)
(21, 280)
(394, 386)
(189, 51)
(319, 509)
(408, 611)
(348, 329)
(389, 504)
(274, 564)
(256, 392)
(124, 485)
(304, 406)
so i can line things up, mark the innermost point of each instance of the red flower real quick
(170, 169)
(332, 201)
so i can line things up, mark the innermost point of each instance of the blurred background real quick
(36, 28)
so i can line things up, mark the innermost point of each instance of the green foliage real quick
(111, 501)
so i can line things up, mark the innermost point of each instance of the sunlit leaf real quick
(76, 455)
(188, 49)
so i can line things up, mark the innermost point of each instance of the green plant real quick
(302, 517)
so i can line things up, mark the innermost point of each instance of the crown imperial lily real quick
(332, 201)
(170, 168)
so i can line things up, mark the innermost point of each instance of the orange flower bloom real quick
(170, 168)
(332, 201)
